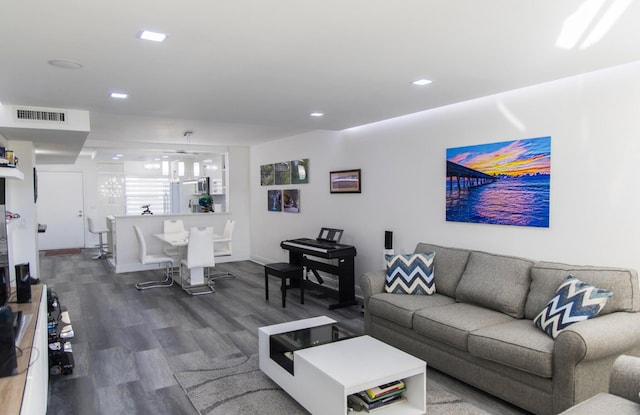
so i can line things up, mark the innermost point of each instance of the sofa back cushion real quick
(546, 277)
(497, 282)
(449, 264)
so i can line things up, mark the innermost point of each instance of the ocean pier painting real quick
(504, 183)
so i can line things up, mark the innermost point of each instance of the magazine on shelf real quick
(364, 396)
(398, 401)
(387, 388)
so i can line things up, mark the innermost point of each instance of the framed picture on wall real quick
(267, 175)
(345, 181)
(291, 201)
(274, 200)
(503, 183)
(283, 172)
(299, 171)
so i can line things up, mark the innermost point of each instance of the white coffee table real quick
(323, 376)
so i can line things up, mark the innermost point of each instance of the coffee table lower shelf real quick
(325, 375)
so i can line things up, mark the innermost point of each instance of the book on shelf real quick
(357, 402)
(364, 396)
(398, 401)
(385, 389)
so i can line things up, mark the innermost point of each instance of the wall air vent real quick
(38, 115)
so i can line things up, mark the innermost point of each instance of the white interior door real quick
(60, 207)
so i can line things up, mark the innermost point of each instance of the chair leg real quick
(102, 251)
(283, 288)
(165, 283)
(266, 285)
(198, 289)
(100, 254)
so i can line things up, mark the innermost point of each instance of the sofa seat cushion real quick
(497, 282)
(451, 324)
(399, 308)
(518, 344)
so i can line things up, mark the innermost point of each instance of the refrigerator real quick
(182, 197)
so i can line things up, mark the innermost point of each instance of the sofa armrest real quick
(625, 378)
(609, 335)
(584, 354)
(371, 283)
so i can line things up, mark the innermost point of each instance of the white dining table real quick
(181, 240)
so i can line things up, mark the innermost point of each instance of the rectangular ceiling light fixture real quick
(153, 36)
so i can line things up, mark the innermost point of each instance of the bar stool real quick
(102, 251)
(284, 270)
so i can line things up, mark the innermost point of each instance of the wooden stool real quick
(284, 270)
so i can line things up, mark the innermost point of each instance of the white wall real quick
(593, 119)
(23, 241)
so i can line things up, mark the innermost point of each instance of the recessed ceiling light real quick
(421, 82)
(64, 64)
(153, 36)
(119, 95)
(316, 114)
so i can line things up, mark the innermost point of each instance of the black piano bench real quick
(284, 270)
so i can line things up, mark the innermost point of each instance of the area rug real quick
(58, 252)
(241, 388)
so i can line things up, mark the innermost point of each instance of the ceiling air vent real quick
(38, 115)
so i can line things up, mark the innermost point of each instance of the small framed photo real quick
(267, 175)
(274, 200)
(283, 172)
(291, 201)
(345, 181)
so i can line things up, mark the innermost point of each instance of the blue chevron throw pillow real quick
(410, 274)
(574, 301)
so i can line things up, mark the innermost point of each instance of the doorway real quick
(60, 207)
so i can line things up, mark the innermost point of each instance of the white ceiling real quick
(247, 71)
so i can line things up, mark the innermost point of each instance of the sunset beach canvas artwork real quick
(504, 183)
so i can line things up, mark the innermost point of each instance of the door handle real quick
(80, 213)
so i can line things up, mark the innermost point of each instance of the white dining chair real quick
(223, 247)
(146, 259)
(200, 257)
(223, 243)
(173, 226)
(102, 245)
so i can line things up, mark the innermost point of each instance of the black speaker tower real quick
(23, 283)
(388, 240)
(5, 286)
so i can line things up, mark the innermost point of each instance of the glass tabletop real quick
(282, 346)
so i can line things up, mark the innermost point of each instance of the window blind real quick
(153, 191)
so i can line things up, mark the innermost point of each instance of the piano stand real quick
(299, 254)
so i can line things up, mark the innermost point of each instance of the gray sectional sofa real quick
(479, 328)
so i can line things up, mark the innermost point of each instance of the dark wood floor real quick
(129, 343)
